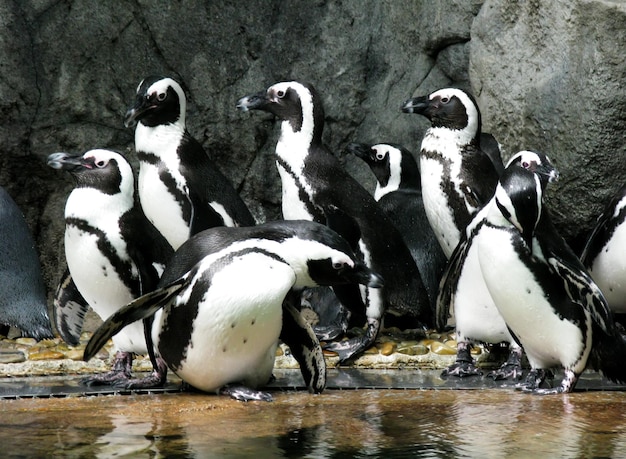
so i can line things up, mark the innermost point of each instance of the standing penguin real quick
(457, 176)
(23, 303)
(399, 193)
(463, 289)
(180, 187)
(224, 304)
(114, 254)
(314, 184)
(604, 251)
(545, 295)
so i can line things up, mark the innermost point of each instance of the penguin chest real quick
(477, 317)
(164, 203)
(233, 328)
(547, 338)
(439, 204)
(297, 195)
(609, 270)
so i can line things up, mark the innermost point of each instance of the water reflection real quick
(337, 424)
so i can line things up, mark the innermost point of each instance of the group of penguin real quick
(177, 267)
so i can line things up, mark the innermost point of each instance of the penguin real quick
(463, 289)
(226, 297)
(114, 254)
(23, 304)
(458, 177)
(603, 254)
(313, 183)
(547, 298)
(181, 189)
(399, 193)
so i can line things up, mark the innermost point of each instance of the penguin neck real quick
(440, 139)
(162, 140)
(294, 146)
(95, 207)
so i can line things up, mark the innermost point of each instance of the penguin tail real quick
(141, 308)
(609, 356)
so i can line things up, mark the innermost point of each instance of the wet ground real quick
(432, 418)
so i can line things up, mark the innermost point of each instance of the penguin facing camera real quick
(314, 183)
(546, 297)
(181, 189)
(114, 254)
(228, 295)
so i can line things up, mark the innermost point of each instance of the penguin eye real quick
(338, 265)
(380, 155)
(100, 164)
(280, 93)
(525, 165)
(161, 96)
(445, 100)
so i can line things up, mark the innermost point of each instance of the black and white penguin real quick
(114, 254)
(399, 193)
(463, 289)
(546, 297)
(224, 304)
(181, 189)
(458, 177)
(603, 254)
(23, 303)
(313, 184)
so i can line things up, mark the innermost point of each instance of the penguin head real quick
(538, 163)
(159, 101)
(297, 104)
(448, 108)
(104, 170)
(518, 197)
(390, 163)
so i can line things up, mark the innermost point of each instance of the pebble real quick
(46, 355)
(441, 349)
(12, 356)
(388, 348)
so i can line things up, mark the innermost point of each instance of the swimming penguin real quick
(225, 301)
(458, 177)
(463, 290)
(604, 251)
(313, 182)
(114, 254)
(23, 304)
(181, 190)
(545, 295)
(399, 193)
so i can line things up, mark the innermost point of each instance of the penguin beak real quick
(68, 162)
(417, 105)
(256, 101)
(361, 150)
(136, 112)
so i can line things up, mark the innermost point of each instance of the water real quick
(337, 424)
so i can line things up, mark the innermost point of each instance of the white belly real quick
(161, 209)
(520, 300)
(100, 286)
(609, 270)
(293, 207)
(436, 206)
(236, 332)
(477, 317)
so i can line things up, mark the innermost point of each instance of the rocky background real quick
(548, 75)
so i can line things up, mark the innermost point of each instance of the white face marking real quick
(395, 159)
(464, 136)
(436, 205)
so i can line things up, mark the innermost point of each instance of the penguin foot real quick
(461, 369)
(512, 368)
(120, 374)
(245, 394)
(328, 332)
(353, 347)
(534, 380)
(156, 379)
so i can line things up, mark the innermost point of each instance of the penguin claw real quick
(506, 371)
(461, 370)
(245, 394)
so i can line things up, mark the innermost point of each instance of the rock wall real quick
(69, 70)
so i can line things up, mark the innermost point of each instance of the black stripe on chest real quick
(303, 196)
(179, 323)
(123, 268)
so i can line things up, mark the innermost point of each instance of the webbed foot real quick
(156, 379)
(511, 369)
(118, 376)
(245, 394)
(464, 365)
(535, 379)
(353, 347)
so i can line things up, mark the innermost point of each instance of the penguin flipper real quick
(448, 284)
(69, 310)
(305, 347)
(139, 309)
